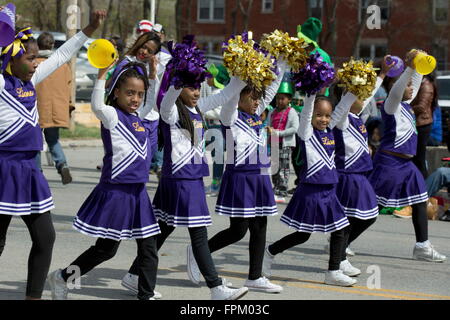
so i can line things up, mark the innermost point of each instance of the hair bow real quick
(16, 48)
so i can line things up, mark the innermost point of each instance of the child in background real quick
(283, 123)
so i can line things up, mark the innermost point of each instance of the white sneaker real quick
(348, 251)
(428, 254)
(57, 285)
(192, 268)
(263, 284)
(267, 263)
(130, 281)
(338, 278)
(224, 293)
(348, 269)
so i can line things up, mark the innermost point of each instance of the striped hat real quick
(145, 26)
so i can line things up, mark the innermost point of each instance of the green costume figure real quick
(310, 31)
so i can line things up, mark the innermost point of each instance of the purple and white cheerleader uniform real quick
(23, 188)
(397, 181)
(353, 162)
(119, 207)
(314, 207)
(180, 199)
(246, 189)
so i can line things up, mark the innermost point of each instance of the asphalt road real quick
(383, 253)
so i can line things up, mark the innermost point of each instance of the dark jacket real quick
(423, 104)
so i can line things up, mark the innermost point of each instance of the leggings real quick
(337, 242)
(42, 232)
(420, 160)
(237, 230)
(106, 249)
(199, 241)
(354, 230)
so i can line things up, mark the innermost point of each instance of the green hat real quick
(286, 88)
(310, 30)
(220, 74)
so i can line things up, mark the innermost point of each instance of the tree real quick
(105, 23)
(146, 10)
(331, 22)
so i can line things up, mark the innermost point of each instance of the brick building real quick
(405, 24)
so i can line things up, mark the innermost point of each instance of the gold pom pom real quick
(243, 61)
(296, 51)
(358, 77)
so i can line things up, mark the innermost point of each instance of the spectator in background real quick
(423, 106)
(53, 102)
(119, 44)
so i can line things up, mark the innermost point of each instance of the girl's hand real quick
(97, 18)
(153, 64)
(103, 72)
(409, 60)
(385, 67)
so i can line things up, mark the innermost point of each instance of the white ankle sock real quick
(425, 244)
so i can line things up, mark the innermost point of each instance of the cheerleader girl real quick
(396, 180)
(119, 207)
(24, 191)
(246, 193)
(314, 206)
(354, 162)
(144, 50)
(180, 200)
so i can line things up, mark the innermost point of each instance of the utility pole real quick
(73, 20)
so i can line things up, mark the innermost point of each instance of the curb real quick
(81, 143)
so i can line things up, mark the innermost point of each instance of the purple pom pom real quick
(316, 75)
(187, 68)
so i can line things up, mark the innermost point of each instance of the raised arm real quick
(395, 96)
(168, 109)
(339, 118)
(219, 99)
(271, 91)
(416, 82)
(152, 91)
(67, 50)
(106, 114)
(229, 111)
(305, 129)
(150, 102)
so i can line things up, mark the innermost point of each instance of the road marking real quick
(312, 284)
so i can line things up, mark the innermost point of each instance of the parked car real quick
(443, 85)
(85, 79)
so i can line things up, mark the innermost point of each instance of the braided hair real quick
(131, 70)
(185, 123)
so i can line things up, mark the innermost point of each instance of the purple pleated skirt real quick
(23, 188)
(117, 212)
(182, 203)
(356, 195)
(397, 182)
(315, 208)
(246, 194)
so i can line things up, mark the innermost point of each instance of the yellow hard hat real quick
(101, 53)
